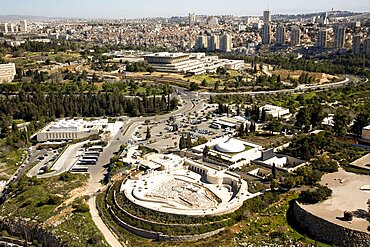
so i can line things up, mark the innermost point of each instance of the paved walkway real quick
(108, 235)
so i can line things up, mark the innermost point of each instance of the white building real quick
(24, 27)
(228, 151)
(192, 19)
(194, 63)
(69, 130)
(274, 111)
(366, 133)
(7, 72)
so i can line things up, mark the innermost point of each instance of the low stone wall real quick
(327, 231)
(160, 236)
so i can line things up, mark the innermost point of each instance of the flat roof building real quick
(7, 72)
(274, 111)
(366, 133)
(69, 130)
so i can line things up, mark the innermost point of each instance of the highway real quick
(300, 89)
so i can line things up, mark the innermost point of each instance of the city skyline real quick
(114, 9)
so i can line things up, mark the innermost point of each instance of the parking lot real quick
(166, 134)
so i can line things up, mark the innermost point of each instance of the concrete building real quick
(339, 37)
(213, 43)
(192, 19)
(201, 43)
(322, 38)
(367, 46)
(212, 21)
(225, 43)
(175, 63)
(274, 111)
(69, 130)
(366, 133)
(280, 35)
(267, 16)
(24, 26)
(266, 34)
(7, 72)
(4, 28)
(228, 152)
(356, 45)
(295, 36)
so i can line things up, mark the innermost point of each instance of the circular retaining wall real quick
(327, 231)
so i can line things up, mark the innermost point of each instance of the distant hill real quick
(27, 17)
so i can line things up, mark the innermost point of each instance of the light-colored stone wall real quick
(329, 232)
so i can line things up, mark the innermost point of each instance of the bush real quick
(82, 208)
(314, 196)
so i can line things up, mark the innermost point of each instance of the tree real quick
(95, 78)
(274, 126)
(221, 71)
(274, 184)
(341, 122)
(361, 121)
(194, 86)
(252, 127)
(204, 83)
(188, 140)
(317, 115)
(205, 152)
(303, 119)
(273, 171)
(182, 143)
(241, 130)
(148, 135)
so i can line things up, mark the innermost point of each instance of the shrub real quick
(321, 193)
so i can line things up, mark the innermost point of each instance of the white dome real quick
(230, 146)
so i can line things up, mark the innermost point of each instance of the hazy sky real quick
(167, 8)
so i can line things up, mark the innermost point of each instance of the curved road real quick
(97, 172)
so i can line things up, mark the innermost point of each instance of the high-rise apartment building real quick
(4, 28)
(213, 42)
(367, 46)
(225, 43)
(201, 43)
(267, 16)
(339, 36)
(295, 35)
(266, 34)
(356, 45)
(192, 19)
(24, 27)
(322, 38)
(280, 35)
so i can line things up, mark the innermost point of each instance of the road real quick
(98, 171)
(343, 83)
